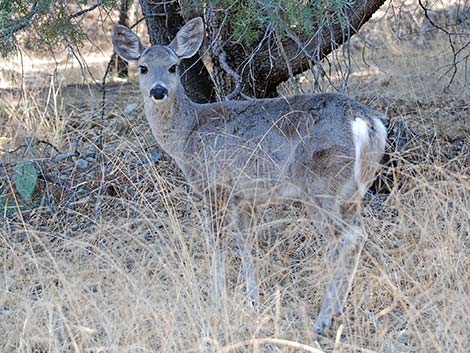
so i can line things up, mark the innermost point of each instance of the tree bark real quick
(120, 66)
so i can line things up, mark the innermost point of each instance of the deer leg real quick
(218, 270)
(348, 255)
(218, 221)
(243, 236)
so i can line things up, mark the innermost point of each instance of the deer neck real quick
(172, 121)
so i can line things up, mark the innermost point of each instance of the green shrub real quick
(248, 19)
(42, 23)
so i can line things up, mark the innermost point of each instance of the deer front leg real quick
(348, 255)
(217, 271)
(218, 221)
(244, 218)
(248, 268)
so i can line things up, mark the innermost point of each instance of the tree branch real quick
(84, 11)
(20, 23)
(271, 66)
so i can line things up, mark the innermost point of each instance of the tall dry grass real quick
(137, 279)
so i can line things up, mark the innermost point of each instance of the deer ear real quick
(188, 39)
(127, 43)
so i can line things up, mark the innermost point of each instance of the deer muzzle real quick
(158, 92)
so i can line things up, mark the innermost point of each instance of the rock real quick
(153, 156)
(81, 164)
(62, 156)
(130, 108)
(5, 140)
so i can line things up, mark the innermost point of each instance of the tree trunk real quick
(260, 69)
(120, 66)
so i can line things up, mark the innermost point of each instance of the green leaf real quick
(26, 179)
(3, 206)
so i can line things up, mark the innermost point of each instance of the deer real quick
(323, 150)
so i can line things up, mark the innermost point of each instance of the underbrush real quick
(113, 256)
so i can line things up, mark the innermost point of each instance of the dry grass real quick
(116, 257)
(136, 279)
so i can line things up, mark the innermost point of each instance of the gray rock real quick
(130, 108)
(153, 156)
(81, 164)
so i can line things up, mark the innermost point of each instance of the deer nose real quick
(158, 92)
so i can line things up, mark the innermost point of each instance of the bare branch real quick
(450, 37)
(238, 84)
(84, 11)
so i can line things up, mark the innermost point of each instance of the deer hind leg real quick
(346, 258)
(244, 216)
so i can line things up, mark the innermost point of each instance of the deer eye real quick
(143, 69)
(172, 69)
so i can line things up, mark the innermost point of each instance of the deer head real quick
(158, 64)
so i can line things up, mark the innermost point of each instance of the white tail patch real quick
(360, 132)
(382, 135)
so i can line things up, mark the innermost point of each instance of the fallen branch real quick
(278, 341)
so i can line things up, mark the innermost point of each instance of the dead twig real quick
(238, 83)
(450, 36)
(277, 341)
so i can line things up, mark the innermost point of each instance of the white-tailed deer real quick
(322, 150)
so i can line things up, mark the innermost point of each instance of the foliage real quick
(43, 23)
(249, 19)
(50, 23)
(26, 179)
